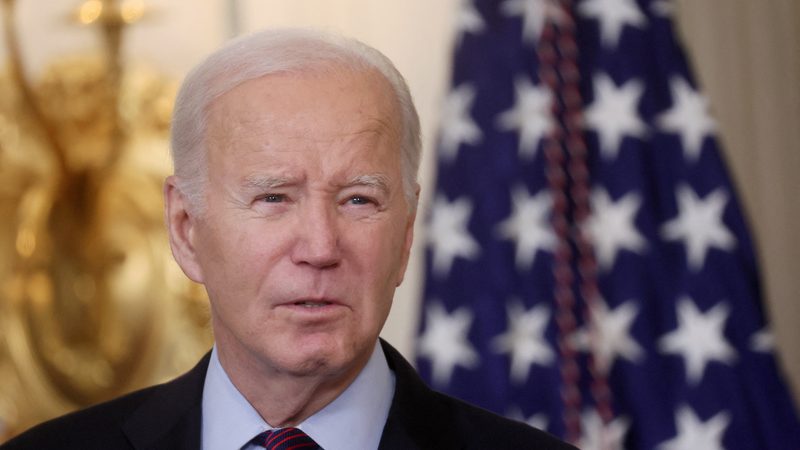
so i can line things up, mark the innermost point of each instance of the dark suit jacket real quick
(167, 416)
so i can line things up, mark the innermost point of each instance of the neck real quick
(284, 399)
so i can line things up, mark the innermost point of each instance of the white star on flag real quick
(535, 15)
(611, 336)
(445, 342)
(530, 116)
(613, 15)
(663, 8)
(597, 436)
(529, 225)
(538, 421)
(763, 341)
(525, 340)
(688, 117)
(699, 224)
(611, 226)
(699, 338)
(613, 114)
(468, 19)
(692, 434)
(457, 126)
(447, 234)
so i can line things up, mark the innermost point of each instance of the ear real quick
(181, 225)
(409, 237)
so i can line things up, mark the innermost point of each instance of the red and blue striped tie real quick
(286, 439)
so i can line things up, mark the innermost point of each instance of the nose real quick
(317, 232)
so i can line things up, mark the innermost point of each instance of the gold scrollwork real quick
(91, 304)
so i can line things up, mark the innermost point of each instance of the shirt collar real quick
(355, 419)
(229, 421)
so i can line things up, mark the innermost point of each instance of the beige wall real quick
(747, 55)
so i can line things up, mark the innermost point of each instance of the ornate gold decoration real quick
(91, 303)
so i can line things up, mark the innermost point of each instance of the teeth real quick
(311, 304)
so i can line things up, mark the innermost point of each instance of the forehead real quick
(340, 113)
(342, 98)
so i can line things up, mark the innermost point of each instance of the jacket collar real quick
(171, 417)
(416, 419)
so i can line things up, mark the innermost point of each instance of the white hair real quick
(272, 52)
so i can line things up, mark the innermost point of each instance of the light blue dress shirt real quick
(354, 420)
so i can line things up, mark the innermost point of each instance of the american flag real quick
(589, 270)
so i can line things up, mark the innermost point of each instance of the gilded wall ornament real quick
(91, 303)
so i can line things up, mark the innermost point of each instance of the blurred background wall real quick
(746, 55)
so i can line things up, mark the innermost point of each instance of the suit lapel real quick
(171, 417)
(416, 420)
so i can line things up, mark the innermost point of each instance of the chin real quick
(324, 357)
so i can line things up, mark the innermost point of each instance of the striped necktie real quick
(285, 439)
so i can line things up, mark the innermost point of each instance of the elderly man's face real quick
(307, 231)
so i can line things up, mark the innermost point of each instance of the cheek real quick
(235, 260)
(379, 254)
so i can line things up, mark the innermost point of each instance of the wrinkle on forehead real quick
(289, 134)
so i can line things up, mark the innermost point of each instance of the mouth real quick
(312, 303)
(314, 311)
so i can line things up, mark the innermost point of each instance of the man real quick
(293, 202)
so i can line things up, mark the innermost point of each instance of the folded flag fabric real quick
(588, 267)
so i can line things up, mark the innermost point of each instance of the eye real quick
(273, 198)
(359, 200)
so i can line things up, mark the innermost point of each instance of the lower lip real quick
(315, 310)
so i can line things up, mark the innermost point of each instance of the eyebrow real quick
(265, 182)
(377, 181)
